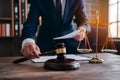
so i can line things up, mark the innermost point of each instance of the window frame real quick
(117, 22)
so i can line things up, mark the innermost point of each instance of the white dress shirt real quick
(32, 40)
(63, 5)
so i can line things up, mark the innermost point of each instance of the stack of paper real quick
(71, 56)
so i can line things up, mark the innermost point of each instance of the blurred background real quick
(13, 13)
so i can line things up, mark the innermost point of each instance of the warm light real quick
(119, 29)
(112, 30)
(112, 1)
(112, 13)
(114, 18)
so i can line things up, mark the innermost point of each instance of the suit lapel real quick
(50, 4)
(67, 11)
(51, 8)
(68, 5)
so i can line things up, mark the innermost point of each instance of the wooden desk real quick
(108, 70)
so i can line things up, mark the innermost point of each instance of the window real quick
(114, 19)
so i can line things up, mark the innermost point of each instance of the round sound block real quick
(66, 64)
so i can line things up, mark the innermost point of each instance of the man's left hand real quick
(81, 35)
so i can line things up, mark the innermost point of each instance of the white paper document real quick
(70, 35)
(71, 56)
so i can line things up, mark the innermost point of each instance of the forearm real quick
(81, 17)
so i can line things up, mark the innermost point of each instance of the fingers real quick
(82, 29)
(30, 50)
(80, 36)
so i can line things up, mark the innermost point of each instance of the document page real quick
(70, 35)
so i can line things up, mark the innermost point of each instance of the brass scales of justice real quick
(107, 42)
(96, 59)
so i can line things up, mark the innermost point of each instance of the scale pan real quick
(109, 50)
(84, 50)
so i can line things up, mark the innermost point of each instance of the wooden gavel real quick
(59, 51)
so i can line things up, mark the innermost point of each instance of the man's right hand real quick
(30, 50)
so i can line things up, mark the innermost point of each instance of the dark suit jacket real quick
(52, 26)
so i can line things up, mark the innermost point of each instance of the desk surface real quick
(108, 70)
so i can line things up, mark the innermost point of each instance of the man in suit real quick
(56, 21)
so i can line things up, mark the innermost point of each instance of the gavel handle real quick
(21, 60)
(25, 58)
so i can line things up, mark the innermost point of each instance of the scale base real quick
(96, 60)
(66, 64)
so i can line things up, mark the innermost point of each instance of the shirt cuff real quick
(87, 27)
(27, 40)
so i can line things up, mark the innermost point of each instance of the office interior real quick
(108, 27)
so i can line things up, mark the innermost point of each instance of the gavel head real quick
(60, 51)
(60, 48)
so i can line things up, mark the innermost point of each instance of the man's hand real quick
(80, 36)
(30, 50)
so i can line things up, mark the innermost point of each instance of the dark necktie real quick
(59, 8)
